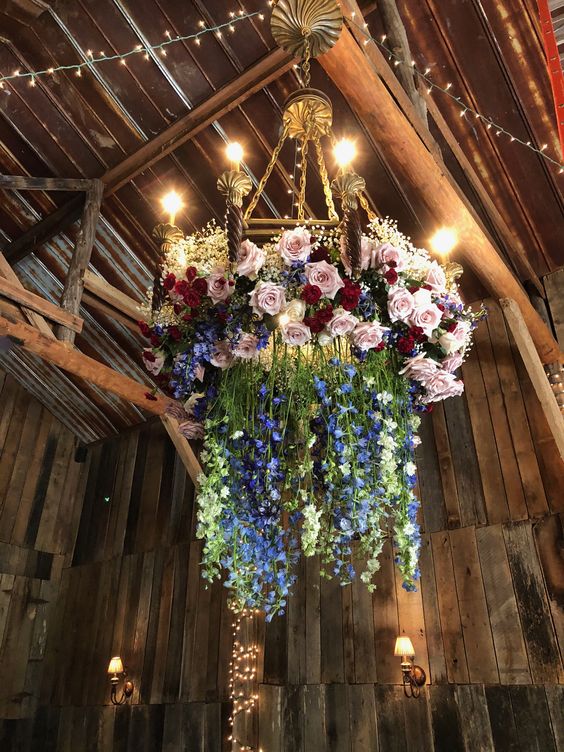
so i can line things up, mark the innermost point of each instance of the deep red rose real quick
(150, 396)
(349, 303)
(169, 281)
(311, 294)
(405, 345)
(325, 314)
(155, 340)
(314, 324)
(200, 285)
(182, 287)
(417, 333)
(191, 273)
(392, 264)
(391, 276)
(427, 287)
(231, 283)
(452, 327)
(144, 329)
(320, 254)
(177, 307)
(187, 317)
(413, 289)
(440, 306)
(174, 333)
(380, 347)
(148, 355)
(192, 299)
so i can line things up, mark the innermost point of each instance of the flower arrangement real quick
(306, 385)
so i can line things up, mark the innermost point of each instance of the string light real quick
(143, 49)
(242, 673)
(446, 90)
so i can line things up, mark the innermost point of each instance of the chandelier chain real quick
(325, 179)
(273, 159)
(366, 206)
(306, 65)
(303, 180)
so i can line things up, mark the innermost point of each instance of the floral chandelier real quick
(304, 363)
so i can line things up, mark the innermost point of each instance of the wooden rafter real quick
(347, 64)
(255, 78)
(36, 303)
(33, 317)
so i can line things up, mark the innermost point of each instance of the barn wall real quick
(487, 622)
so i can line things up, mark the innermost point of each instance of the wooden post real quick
(34, 318)
(74, 282)
(346, 64)
(535, 370)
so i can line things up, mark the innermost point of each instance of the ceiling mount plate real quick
(295, 21)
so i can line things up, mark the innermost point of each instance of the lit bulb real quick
(443, 241)
(234, 153)
(345, 152)
(172, 203)
(283, 319)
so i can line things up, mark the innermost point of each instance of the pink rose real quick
(386, 253)
(250, 259)
(222, 356)
(191, 429)
(452, 362)
(455, 340)
(343, 322)
(400, 304)
(295, 245)
(295, 333)
(219, 288)
(367, 254)
(267, 298)
(246, 348)
(436, 277)
(154, 361)
(425, 313)
(419, 368)
(325, 276)
(368, 335)
(200, 372)
(442, 385)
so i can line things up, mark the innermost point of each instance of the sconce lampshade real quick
(404, 646)
(116, 666)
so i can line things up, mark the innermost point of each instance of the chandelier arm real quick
(234, 230)
(260, 188)
(303, 180)
(353, 237)
(325, 180)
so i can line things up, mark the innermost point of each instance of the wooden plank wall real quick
(40, 500)
(487, 621)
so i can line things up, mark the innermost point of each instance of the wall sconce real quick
(115, 668)
(413, 676)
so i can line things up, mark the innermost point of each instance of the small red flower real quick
(314, 324)
(380, 347)
(405, 345)
(391, 276)
(187, 317)
(413, 289)
(417, 333)
(452, 327)
(440, 306)
(311, 294)
(325, 314)
(150, 396)
(169, 281)
(144, 329)
(155, 340)
(200, 285)
(174, 333)
(192, 299)
(182, 287)
(427, 287)
(320, 254)
(177, 307)
(148, 355)
(191, 273)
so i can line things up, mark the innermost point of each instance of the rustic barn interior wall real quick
(487, 622)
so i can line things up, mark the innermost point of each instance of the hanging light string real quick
(431, 86)
(140, 49)
(243, 671)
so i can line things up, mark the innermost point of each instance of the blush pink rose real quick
(368, 335)
(295, 333)
(219, 288)
(191, 429)
(325, 276)
(419, 368)
(455, 340)
(250, 259)
(246, 348)
(222, 357)
(367, 254)
(436, 277)
(386, 253)
(400, 304)
(295, 245)
(442, 385)
(452, 362)
(343, 322)
(425, 313)
(156, 364)
(267, 298)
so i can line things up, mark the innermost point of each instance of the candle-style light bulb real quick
(443, 241)
(234, 153)
(345, 152)
(172, 203)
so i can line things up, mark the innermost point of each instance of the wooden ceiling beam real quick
(36, 303)
(268, 69)
(26, 183)
(33, 317)
(347, 64)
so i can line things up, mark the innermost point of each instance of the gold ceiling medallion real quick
(297, 24)
(308, 113)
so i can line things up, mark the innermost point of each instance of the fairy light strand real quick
(464, 108)
(139, 49)
(242, 674)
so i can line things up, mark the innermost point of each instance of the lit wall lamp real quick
(413, 676)
(115, 668)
